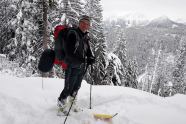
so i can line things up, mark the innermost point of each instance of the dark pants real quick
(73, 79)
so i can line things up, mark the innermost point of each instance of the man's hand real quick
(90, 60)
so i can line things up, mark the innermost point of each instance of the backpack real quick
(46, 61)
(57, 56)
(60, 36)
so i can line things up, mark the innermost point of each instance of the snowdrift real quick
(25, 101)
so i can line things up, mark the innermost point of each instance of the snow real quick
(169, 84)
(174, 26)
(2, 56)
(24, 101)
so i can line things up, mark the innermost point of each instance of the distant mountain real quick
(163, 22)
(129, 20)
(183, 21)
(136, 19)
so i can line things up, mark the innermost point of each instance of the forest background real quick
(143, 54)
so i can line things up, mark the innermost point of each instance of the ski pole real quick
(90, 94)
(86, 69)
(69, 109)
(42, 84)
(91, 85)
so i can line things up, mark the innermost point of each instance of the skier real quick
(76, 59)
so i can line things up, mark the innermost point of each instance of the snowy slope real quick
(23, 101)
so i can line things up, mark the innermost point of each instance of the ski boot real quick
(62, 104)
(75, 108)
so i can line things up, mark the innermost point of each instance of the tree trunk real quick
(44, 30)
(44, 25)
(158, 88)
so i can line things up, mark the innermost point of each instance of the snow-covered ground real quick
(24, 101)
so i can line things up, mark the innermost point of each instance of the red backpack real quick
(60, 35)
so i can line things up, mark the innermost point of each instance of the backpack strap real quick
(77, 39)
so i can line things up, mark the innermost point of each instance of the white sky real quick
(174, 9)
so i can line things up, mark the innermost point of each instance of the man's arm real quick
(89, 52)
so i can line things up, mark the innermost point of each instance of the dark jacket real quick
(77, 48)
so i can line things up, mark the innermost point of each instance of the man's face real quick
(84, 26)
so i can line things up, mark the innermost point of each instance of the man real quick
(78, 52)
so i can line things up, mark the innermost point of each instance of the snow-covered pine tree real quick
(131, 75)
(114, 70)
(134, 73)
(164, 71)
(179, 75)
(7, 28)
(98, 44)
(144, 80)
(128, 76)
(28, 35)
(101, 57)
(110, 73)
(69, 12)
(154, 70)
(121, 51)
(159, 69)
(77, 9)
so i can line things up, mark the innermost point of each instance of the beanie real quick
(84, 18)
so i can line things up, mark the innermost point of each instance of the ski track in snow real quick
(23, 101)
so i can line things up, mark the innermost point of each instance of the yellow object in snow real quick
(104, 116)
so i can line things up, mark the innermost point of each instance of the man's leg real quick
(71, 76)
(77, 85)
(78, 82)
(70, 79)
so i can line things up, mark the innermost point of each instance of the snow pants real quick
(73, 79)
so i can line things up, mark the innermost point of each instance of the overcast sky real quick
(174, 9)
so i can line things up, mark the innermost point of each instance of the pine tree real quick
(134, 73)
(121, 51)
(114, 70)
(131, 75)
(69, 12)
(144, 81)
(98, 44)
(7, 28)
(28, 35)
(128, 76)
(179, 75)
(162, 75)
(158, 68)
(110, 73)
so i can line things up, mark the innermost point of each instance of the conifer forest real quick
(148, 55)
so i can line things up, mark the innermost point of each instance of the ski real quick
(84, 123)
(101, 117)
(104, 117)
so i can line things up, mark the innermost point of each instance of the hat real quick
(84, 18)
(46, 62)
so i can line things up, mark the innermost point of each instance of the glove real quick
(90, 60)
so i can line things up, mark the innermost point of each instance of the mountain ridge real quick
(163, 22)
(137, 19)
